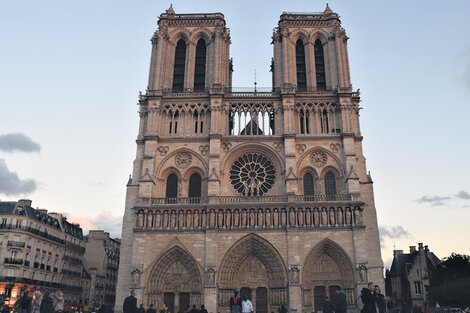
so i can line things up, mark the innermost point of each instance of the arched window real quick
(200, 67)
(304, 121)
(195, 187)
(330, 183)
(300, 62)
(171, 188)
(320, 65)
(308, 184)
(324, 121)
(178, 70)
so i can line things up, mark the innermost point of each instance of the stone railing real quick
(273, 217)
(16, 244)
(156, 202)
(13, 261)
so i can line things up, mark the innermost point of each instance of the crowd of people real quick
(130, 306)
(38, 302)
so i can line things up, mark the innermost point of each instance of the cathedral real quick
(261, 190)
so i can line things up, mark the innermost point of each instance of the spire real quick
(170, 10)
(328, 10)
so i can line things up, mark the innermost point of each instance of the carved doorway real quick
(245, 292)
(184, 301)
(319, 295)
(169, 300)
(261, 300)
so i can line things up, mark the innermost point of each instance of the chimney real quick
(25, 202)
(426, 249)
(412, 249)
(397, 252)
(420, 246)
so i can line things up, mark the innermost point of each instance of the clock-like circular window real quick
(252, 174)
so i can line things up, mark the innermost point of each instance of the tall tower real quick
(263, 191)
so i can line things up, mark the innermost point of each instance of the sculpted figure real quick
(252, 218)
(181, 219)
(283, 218)
(228, 218)
(358, 216)
(348, 216)
(189, 219)
(220, 219)
(324, 217)
(173, 219)
(275, 218)
(339, 216)
(332, 217)
(292, 222)
(158, 219)
(140, 219)
(300, 217)
(260, 218)
(268, 218)
(196, 219)
(165, 219)
(236, 218)
(203, 219)
(308, 217)
(244, 218)
(316, 218)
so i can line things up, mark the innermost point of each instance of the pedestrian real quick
(328, 306)
(151, 309)
(58, 300)
(380, 300)
(24, 303)
(247, 306)
(427, 308)
(282, 309)
(130, 303)
(417, 309)
(341, 304)
(163, 308)
(368, 299)
(203, 309)
(141, 309)
(36, 307)
(194, 309)
(46, 304)
(235, 303)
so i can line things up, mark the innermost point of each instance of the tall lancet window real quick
(308, 184)
(330, 183)
(320, 65)
(180, 62)
(200, 67)
(171, 188)
(194, 191)
(300, 62)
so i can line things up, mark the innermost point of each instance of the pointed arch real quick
(300, 64)
(179, 65)
(328, 263)
(259, 249)
(319, 65)
(200, 65)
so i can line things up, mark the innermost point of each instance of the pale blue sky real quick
(70, 72)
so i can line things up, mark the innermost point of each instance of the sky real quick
(70, 73)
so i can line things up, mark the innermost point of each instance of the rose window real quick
(252, 174)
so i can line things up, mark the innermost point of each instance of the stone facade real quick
(261, 190)
(40, 250)
(101, 260)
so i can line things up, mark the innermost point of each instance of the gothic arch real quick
(178, 34)
(201, 33)
(318, 35)
(259, 250)
(175, 270)
(163, 166)
(328, 263)
(299, 34)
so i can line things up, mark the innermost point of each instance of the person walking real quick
(46, 304)
(247, 306)
(36, 307)
(235, 303)
(380, 300)
(368, 299)
(58, 300)
(328, 306)
(151, 309)
(141, 309)
(130, 304)
(24, 303)
(203, 309)
(341, 304)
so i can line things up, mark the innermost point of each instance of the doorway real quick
(261, 300)
(184, 301)
(169, 300)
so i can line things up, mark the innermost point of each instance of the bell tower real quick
(190, 52)
(310, 52)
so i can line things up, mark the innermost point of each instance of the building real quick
(39, 250)
(101, 260)
(264, 190)
(408, 279)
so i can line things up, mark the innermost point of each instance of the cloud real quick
(393, 232)
(433, 200)
(104, 221)
(18, 142)
(463, 195)
(11, 184)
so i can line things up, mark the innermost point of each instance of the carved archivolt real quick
(175, 271)
(327, 261)
(252, 251)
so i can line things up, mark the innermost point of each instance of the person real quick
(24, 303)
(163, 308)
(141, 309)
(37, 302)
(282, 309)
(368, 299)
(327, 306)
(203, 309)
(380, 300)
(417, 309)
(58, 300)
(46, 304)
(235, 303)
(247, 306)
(130, 304)
(467, 309)
(194, 309)
(340, 304)
(151, 309)
(427, 308)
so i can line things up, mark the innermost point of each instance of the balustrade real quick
(248, 218)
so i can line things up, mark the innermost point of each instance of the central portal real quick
(254, 266)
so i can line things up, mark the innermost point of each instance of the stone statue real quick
(189, 219)
(236, 218)
(348, 216)
(339, 216)
(212, 218)
(324, 217)
(268, 218)
(332, 217)
(316, 218)
(158, 219)
(228, 218)
(275, 218)
(136, 278)
(358, 216)
(292, 222)
(220, 219)
(244, 218)
(300, 217)
(260, 218)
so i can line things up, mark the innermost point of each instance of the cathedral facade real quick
(265, 191)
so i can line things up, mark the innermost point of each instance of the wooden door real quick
(184, 301)
(261, 300)
(169, 300)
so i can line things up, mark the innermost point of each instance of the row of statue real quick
(248, 218)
